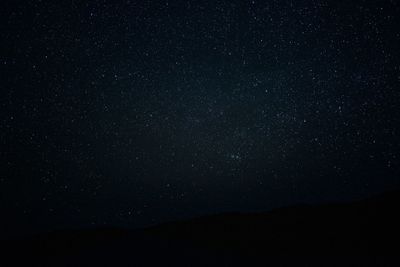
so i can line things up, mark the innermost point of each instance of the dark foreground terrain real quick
(364, 233)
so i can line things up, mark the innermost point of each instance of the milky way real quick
(137, 112)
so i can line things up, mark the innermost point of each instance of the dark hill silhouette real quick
(362, 233)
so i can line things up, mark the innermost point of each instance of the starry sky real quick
(132, 113)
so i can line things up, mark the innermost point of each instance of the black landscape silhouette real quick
(362, 233)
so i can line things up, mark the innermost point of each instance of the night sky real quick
(132, 113)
